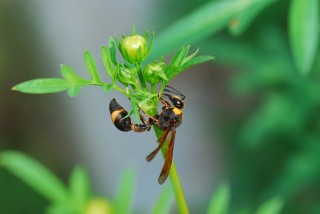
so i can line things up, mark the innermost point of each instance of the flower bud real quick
(134, 49)
(154, 72)
(99, 205)
(127, 76)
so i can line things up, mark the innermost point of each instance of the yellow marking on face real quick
(177, 111)
(115, 114)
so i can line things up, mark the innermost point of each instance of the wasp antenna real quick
(174, 91)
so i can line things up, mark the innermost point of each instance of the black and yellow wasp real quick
(167, 121)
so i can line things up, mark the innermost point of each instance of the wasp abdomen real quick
(119, 116)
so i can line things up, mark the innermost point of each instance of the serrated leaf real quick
(37, 176)
(106, 58)
(219, 202)
(303, 32)
(123, 200)
(112, 51)
(42, 86)
(240, 22)
(91, 66)
(164, 201)
(79, 188)
(273, 206)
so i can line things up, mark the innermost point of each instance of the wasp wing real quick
(167, 164)
(161, 141)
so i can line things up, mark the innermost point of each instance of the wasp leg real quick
(141, 127)
(165, 103)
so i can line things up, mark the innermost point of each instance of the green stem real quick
(153, 89)
(175, 181)
(142, 82)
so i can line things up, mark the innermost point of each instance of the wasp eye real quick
(177, 102)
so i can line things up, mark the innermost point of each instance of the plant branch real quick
(175, 181)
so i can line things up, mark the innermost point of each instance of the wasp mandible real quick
(167, 121)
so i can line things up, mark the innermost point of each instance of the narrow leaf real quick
(219, 202)
(91, 66)
(42, 86)
(240, 22)
(112, 51)
(178, 58)
(74, 91)
(186, 59)
(304, 32)
(35, 175)
(198, 25)
(106, 58)
(190, 63)
(164, 201)
(125, 193)
(135, 109)
(68, 73)
(79, 188)
(273, 206)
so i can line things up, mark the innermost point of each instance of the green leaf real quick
(188, 64)
(164, 201)
(91, 66)
(273, 206)
(304, 32)
(135, 109)
(68, 73)
(240, 22)
(79, 188)
(106, 58)
(186, 59)
(123, 200)
(107, 87)
(198, 25)
(112, 51)
(179, 57)
(219, 202)
(35, 175)
(42, 86)
(75, 82)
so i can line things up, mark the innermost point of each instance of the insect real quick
(167, 121)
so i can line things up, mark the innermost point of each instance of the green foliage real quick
(164, 201)
(124, 197)
(304, 32)
(35, 175)
(273, 206)
(219, 202)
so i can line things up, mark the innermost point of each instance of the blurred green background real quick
(251, 117)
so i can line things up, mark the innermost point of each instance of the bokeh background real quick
(250, 119)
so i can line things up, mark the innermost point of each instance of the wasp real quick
(167, 121)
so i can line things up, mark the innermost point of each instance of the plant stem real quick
(143, 83)
(175, 181)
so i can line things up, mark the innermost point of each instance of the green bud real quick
(99, 205)
(154, 73)
(127, 75)
(134, 49)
